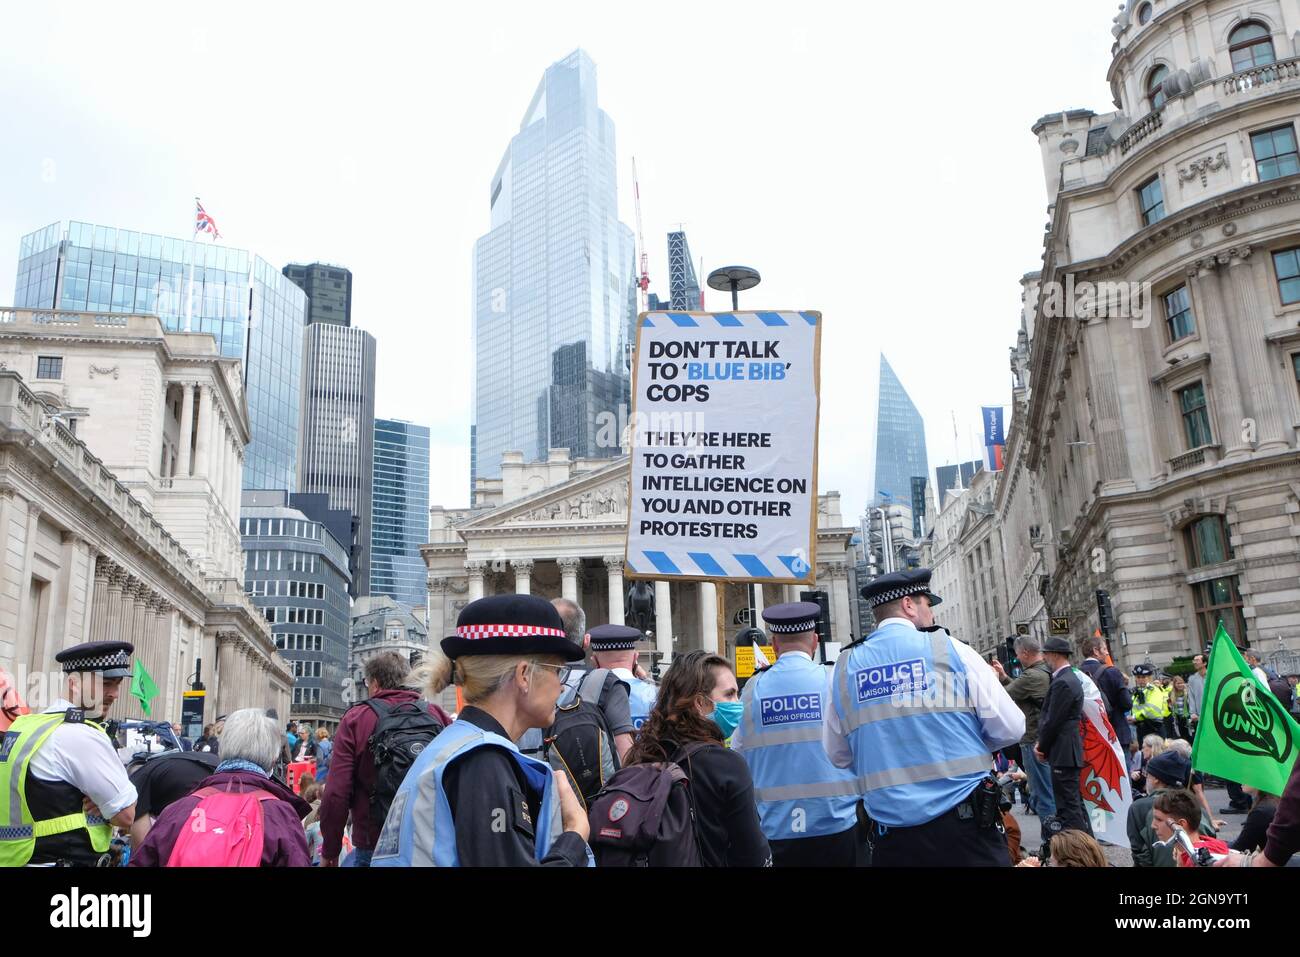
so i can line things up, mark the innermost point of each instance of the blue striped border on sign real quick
(728, 320)
(753, 566)
(685, 320)
(772, 319)
(663, 563)
(708, 564)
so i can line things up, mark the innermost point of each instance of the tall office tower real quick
(900, 441)
(336, 455)
(328, 289)
(255, 313)
(555, 301)
(683, 284)
(295, 572)
(399, 511)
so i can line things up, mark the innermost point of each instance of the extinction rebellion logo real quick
(1251, 723)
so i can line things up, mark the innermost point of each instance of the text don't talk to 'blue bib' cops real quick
(806, 805)
(916, 717)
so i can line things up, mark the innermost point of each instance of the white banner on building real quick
(724, 447)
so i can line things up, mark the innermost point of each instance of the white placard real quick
(724, 447)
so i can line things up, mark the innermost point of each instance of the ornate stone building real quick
(121, 463)
(1160, 418)
(559, 527)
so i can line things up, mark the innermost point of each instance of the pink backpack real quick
(224, 830)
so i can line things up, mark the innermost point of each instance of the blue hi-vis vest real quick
(918, 745)
(641, 697)
(419, 830)
(798, 791)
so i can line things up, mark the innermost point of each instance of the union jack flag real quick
(203, 223)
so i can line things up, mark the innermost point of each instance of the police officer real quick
(806, 805)
(614, 647)
(472, 798)
(1149, 704)
(62, 786)
(917, 715)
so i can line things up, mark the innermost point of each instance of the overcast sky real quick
(878, 169)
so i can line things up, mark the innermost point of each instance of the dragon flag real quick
(1104, 782)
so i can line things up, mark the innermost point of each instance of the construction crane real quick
(643, 282)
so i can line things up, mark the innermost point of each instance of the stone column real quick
(159, 625)
(614, 567)
(1112, 449)
(26, 608)
(116, 619)
(758, 604)
(91, 594)
(523, 575)
(569, 578)
(437, 613)
(708, 616)
(664, 619)
(217, 473)
(225, 682)
(58, 630)
(475, 570)
(203, 434)
(1227, 376)
(186, 462)
(1263, 391)
(841, 607)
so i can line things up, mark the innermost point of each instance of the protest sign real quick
(724, 447)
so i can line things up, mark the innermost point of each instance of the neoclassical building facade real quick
(1161, 419)
(119, 492)
(559, 528)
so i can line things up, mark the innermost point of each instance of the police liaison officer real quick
(62, 785)
(916, 715)
(807, 806)
(472, 798)
(614, 647)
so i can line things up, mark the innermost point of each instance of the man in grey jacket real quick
(1028, 691)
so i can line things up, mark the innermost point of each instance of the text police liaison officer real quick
(916, 715)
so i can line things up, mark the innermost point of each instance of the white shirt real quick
(1261, 674)
(1002, 723)
(84, 757)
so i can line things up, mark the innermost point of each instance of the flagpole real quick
(189, 296)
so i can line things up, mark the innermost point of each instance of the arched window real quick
(1250, 46)
(1144, 14)
(1155, 93)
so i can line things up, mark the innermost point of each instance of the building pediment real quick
(592, 498)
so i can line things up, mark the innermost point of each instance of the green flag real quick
(142, 687)
(1244, 734)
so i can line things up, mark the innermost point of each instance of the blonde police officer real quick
(62, 786)
(916, 716)
(806, 805)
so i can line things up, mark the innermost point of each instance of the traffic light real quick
(1105, 615)
(1007, 655)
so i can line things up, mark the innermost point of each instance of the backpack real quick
(645, 816)
(578, 742)
(402, 732)
(225, 830)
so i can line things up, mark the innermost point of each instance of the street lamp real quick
(738, 279)
(735, 278)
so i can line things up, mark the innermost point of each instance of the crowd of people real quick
(909, 751)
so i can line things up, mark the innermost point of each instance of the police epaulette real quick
(75, 716)
(855, 642)
(759, 671)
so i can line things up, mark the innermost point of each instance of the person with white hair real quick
(242, 796)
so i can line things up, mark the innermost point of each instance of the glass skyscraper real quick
(555, 299)
(900, 441)
(255, 313)
(399, 522)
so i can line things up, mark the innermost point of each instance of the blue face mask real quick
(726, 715)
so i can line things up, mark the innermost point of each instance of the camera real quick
(1051, 827)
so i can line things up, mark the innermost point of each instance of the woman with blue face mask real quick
(699, 702)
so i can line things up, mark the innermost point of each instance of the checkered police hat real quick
(112, 658)
(614, 638)
(792, 618)
(898, 585)
(510, 625)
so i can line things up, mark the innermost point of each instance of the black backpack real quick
(646, 817)
(402, 732)
(578, 742)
